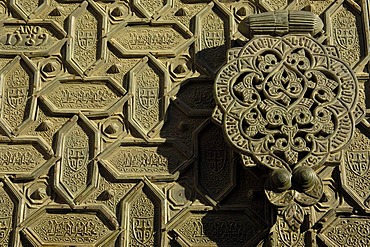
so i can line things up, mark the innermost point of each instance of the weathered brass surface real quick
(184, 123)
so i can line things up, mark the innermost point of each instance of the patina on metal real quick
(290, 104)
(184, 123)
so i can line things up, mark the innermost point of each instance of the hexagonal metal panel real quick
(198, 226)
(76, 171)
(94, 96)
(60, 226)
(148, 86)
(135, 159)
(24, 158)
(87, 26)
(159, 39)
(19, 81)
(34, 38)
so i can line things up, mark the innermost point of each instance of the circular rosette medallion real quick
(287, 101)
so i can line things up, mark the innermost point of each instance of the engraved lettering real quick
(149, 37)
(142, 39)
(27, 36)
(132, 159)
(70, 228)
(16, 158)
(89, 96)
(225, 229)
(271, 98)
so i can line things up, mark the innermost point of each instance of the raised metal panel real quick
(135, 123)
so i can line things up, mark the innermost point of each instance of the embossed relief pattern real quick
(7, 207)
(107, 136)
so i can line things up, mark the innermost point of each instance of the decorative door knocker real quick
(289, 103)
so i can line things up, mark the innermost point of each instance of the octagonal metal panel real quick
(355, 170)
(344, 27)
(142, 211)
(215, 170)
(119, 11)
(212, 26)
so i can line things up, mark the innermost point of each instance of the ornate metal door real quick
(184, 123)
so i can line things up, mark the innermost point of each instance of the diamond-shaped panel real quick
(151, 8)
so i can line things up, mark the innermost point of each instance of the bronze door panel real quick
(184, 123)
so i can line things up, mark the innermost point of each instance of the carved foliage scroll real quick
(289, 104)
(287, 101)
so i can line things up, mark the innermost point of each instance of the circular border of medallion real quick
(287, 101)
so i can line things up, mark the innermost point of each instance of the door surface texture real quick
(195, 123)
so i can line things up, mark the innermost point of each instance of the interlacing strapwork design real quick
(167, 123)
